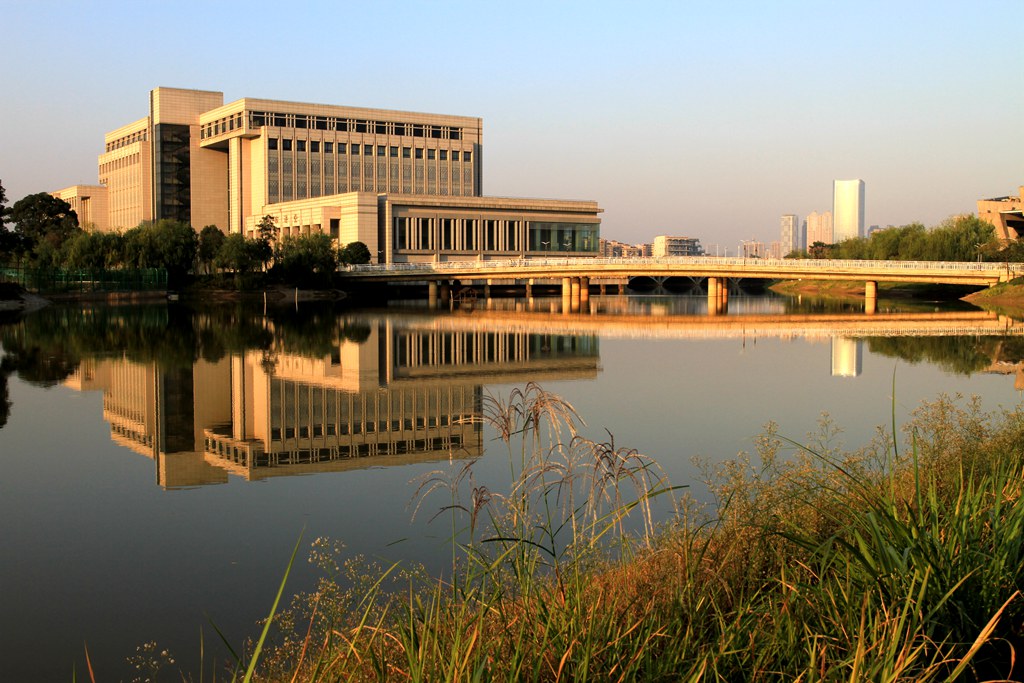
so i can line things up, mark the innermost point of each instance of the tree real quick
(9, 242)
(308, 259)
(211, 239)
(266, 236)
(355, 253)
(165, 243)
(40, 218)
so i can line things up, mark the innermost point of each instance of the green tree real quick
(211, 239)
(165, 243)
(266, 237)
(238, 254)
(42, 218)
(307, 259)
(355, 253)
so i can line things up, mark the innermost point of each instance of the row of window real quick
(392, 151)
(417, 233)
(259, 119)
(137, 136)
(303, 176)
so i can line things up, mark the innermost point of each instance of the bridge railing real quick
(792, 265)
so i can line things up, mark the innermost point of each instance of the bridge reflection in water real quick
(398, 396)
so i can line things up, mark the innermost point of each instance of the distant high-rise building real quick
(847, 209)
(668, 245)
(792, 234)
(819, 228)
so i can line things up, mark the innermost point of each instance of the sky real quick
(704, 119)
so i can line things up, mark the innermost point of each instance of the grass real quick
(885, 564)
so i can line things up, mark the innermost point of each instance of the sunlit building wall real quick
(819, 228)
(407, 184)
(1006, 214)
(847, 209)
(89, 202)
(668, 245)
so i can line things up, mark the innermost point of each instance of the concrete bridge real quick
(576, 273)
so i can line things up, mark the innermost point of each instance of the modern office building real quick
(792, 234)
(89, 202)
(408, 185)
(847, 209)
(667, 245)
(1006, 214)
(819, 228)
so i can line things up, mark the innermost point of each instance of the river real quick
(160, 462)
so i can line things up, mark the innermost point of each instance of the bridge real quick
(576, 273)
(943, 272)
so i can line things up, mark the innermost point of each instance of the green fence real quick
(85, 280)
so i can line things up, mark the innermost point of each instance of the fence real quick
(85, 280)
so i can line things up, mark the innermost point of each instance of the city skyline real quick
(676, 119)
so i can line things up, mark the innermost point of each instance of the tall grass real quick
(813, 564)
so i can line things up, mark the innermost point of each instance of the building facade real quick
(847, 209)
(819, 228)
(1006, 214)
(89, 202)
(792, 235)
(668, 245)
(407, 184)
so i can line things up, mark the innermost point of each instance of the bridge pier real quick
(870, 297)
(432, 293)
(584, 290)
(718, 295)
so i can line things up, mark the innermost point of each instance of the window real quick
(328, 147)
(406, 152)
(300, 145)
(380, 150)
(342, 147)
(467, 157)
(444, 155)
(361, 126)
(393, 152)
(381, 128)
(419, 152)
(272, 143)
(455, 155)
(355, 149)
(455, 134)
(368, 150)
(286, 145)
(431, 153)
(314, 146)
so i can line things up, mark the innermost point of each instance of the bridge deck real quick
(939, 272)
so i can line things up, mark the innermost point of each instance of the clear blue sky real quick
(708, 119)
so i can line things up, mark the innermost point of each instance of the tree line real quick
(42, 231)
(958, 238)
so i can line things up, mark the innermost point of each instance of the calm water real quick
(159, 464)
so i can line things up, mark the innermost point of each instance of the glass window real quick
(455, 134)
(342, 147)
(393, 152)
(419, 152)
(314, 146)
(381, 151)
(328, 147)
(272, 143)
(455, 155)
(286, 145)
(467, 156)
(355, 149)
(444, 155)
(400, 129)
(368, 150)
(431, 153)
(381, 128)
(406, 152)
(300, 145)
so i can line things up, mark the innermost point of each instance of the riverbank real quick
(851, 290)
(881, 564)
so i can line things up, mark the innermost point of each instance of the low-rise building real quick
(1006, 214)
(668, 245)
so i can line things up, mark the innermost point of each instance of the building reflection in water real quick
(398, 396)
(847, 357)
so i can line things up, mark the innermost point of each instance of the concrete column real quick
(724, 295)
(602, 289)
(584, 290)
(574, 286)
(566, 287)
(529, 288)
(870, 297)
(432, 294)
(487, 289)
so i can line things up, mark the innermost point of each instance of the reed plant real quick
(813, 563)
